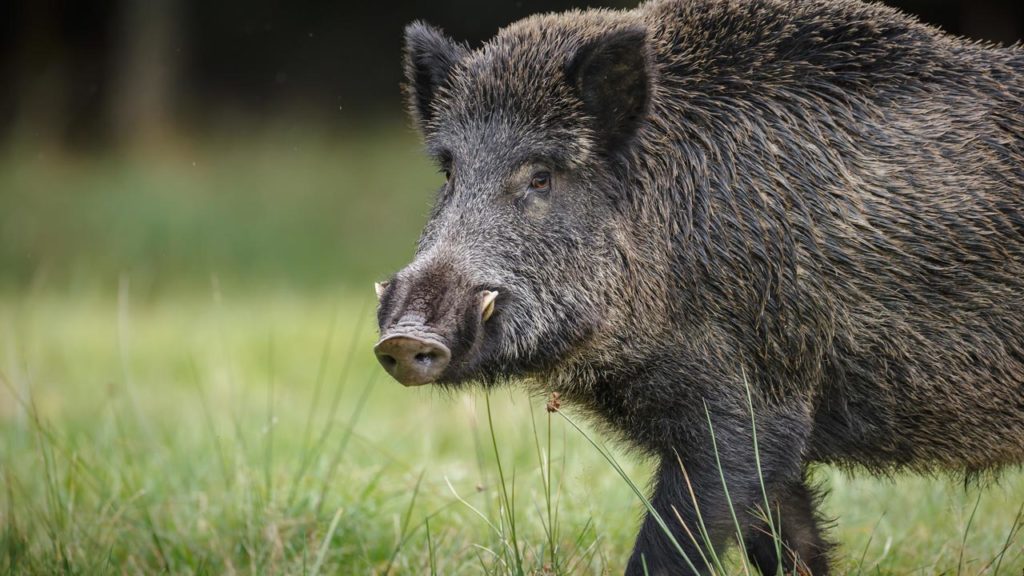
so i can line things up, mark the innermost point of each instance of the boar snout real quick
(431, 322)
(412, 360)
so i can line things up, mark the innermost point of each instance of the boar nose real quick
(412, 361)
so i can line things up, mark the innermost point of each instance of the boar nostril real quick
(412, 360)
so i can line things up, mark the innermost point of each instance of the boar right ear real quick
(429, 59)
(611, 75)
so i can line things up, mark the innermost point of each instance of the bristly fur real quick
(822, 200)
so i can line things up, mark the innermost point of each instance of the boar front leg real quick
(803, 547)
(691, 500)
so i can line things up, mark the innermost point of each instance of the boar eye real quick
(446, 163)
(540, 182)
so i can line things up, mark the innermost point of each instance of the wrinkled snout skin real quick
(433, 324)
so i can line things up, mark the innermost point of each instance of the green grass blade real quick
(403, 535)
(725, 490)
(636, 490)
(325, 545)
(776, 538)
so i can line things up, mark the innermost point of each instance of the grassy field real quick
(187, 386)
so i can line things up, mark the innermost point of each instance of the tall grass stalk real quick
(233, 386)
(712, 562)
(431, 556)
(325, 544)
(404, 532)
(550, 520)
(268, 431)
(1011, 535)
(211, 428)
(636, 489)
(871, 537)
(967, 530)
(314, 402)
(343, 443)
(775, 529)
(309, 453)
(508, 512)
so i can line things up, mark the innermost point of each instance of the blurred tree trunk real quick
(41, 104)
(147, 56)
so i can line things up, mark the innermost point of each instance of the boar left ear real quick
(430, 57)
(611, 76)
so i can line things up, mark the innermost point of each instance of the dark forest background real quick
(84, 74)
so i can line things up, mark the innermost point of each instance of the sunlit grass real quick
(236, 431)
(292, 209)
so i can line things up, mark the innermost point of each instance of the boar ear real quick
(429, 59)
(611, 76)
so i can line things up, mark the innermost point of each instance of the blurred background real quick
(262, 141)
(194, 199)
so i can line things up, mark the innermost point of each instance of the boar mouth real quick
(444, 350)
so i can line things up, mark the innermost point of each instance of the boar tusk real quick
(379, 287)
(487, 304)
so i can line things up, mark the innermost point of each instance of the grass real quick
(288, 208)
(186, 386)
(253, 434)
